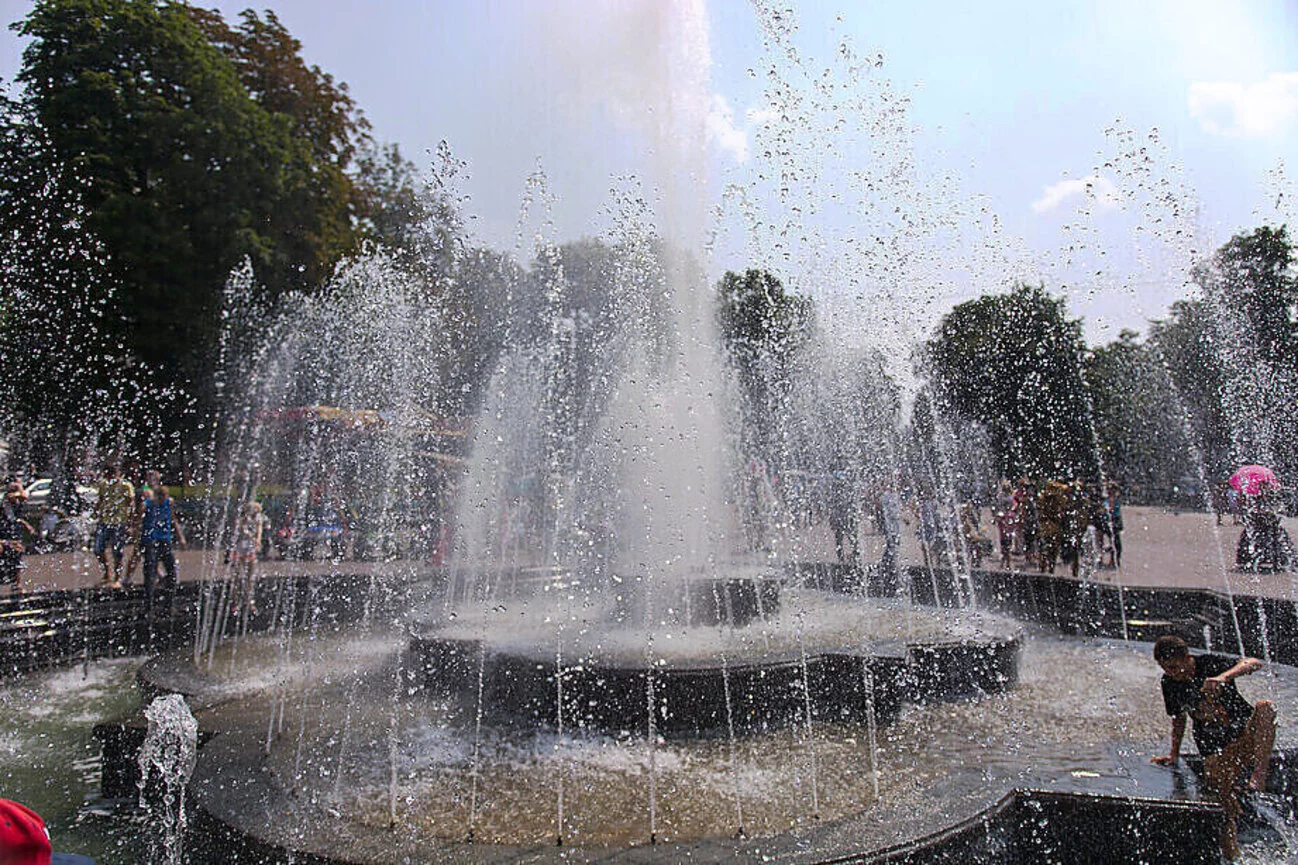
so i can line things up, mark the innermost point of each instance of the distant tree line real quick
(1008, 386)
(1209, 389)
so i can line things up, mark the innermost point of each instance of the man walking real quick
(158, 531)
(114, 508)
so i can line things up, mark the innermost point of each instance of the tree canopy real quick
(1233, 353)
(1141, 428)
(762, 327)
(189, 144)
(1012, 362)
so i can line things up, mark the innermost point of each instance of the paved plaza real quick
(1162, 548)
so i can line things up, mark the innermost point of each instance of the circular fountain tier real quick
(561, 657)
(328, 755)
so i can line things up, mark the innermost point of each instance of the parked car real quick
(60, 526)
(39, 490)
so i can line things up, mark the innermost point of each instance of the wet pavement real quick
(1161, 549)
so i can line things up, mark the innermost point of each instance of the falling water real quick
(599, 451)
(166, 761)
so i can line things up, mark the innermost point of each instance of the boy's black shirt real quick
(1218, 720)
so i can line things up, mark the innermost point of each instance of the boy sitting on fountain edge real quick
(1230, 734)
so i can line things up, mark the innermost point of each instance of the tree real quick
(316, 221)
(1234, 353)
(59, 328)
(1252, 277)
(186, 170)
(762, 327)
(51, 309)
(1186, 343)
(1140, 425)
(1012, 362)
(415, 215)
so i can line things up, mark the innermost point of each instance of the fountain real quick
(597, 603)
(597, 606)
(566, 642)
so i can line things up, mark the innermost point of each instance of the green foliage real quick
(1248, 371)
(51, 310)
(1188, 344)
(1220, 367)
(1012, 362)
(416, 218)
(1252, 277)
(198, 144)
(475, 327)
(1139, 424)
(762, 327)
(70, 383)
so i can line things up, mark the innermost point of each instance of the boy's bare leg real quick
(1219, 774)
(1261, 733)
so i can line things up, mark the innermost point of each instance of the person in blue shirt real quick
(158, 532)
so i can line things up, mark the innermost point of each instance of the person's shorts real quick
(110, 537)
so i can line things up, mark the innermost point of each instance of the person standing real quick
(243, 557)
(890, 516)
(145, 493)
(1029, 520)
(1231, 735)
(1052, 507)
(160, 528)
(1007, 515)
(1113, 507)
(843, 511)
(928, 530)
(11, 536)
(114, 507)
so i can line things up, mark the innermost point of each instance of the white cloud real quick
(1245, 110)
(723, 132)
(1093, 188)
(757, 116)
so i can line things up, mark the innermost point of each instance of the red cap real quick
(23, 837)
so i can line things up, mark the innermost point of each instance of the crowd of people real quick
(145, 515)
(1037, 525)
(124, 514)
(1059, 521)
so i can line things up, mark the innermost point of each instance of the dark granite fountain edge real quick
(58, 628)
(1021, 827)
(1266, 627)
(44, 630)
(1205, 618)
(700, 700)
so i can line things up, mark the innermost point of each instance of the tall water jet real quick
(612, 415)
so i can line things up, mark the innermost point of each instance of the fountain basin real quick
(821, 656)
(800, 794)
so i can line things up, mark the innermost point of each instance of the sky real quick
(888, 158)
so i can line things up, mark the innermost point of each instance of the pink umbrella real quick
(1251, 480)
